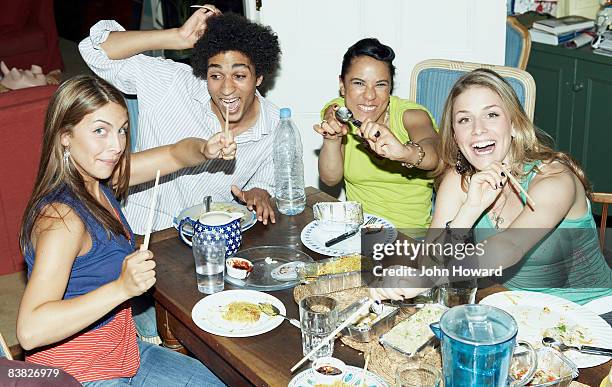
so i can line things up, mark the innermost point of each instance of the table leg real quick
(165, 332)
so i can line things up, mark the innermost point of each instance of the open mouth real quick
(232, 103)
(366, 108)
(484, 147)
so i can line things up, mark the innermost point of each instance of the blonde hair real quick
(528, 144)
(73, 100)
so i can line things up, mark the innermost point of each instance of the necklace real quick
(496, 216)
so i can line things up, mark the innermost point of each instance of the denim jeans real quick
(162, 367)
(143, 312)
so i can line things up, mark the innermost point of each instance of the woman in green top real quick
(549, 246)
(387, 172)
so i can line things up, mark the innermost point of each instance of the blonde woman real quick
(550, 247)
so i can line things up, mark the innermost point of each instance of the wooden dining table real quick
(266, 359)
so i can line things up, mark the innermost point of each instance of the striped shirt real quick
(105, 353)
(174, 104)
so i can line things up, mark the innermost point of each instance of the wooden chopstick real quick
(365, 370)
(331, 336)
(519, 187)
(226, 122)
(145, 245)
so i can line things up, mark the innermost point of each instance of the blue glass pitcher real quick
(478, 343)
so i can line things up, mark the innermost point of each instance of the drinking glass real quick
(458, 293)
(417, 374)
(318, 318)
(209, 254)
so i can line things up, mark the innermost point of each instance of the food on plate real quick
(540, 376)
(337, 265)
(569, 334)
(240, 311)
(411, 334)
(329, 370)
(366, 321)
(287, 271)
(337, 383)
(238, 267)
(554, 369)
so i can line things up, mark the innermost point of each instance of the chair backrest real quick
(4, 349)
(22, 118)
(604, 199)
(432, 80)
(518, 44)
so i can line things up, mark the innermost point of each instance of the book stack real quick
(559, 31)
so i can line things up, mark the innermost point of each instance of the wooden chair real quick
(432, 80)
(518, 44)
(604, 199)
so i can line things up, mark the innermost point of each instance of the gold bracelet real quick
(421, 154)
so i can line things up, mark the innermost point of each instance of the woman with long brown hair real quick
(548, 245)
(80, 252)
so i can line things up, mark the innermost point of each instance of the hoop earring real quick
(461, 165)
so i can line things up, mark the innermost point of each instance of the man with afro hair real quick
(230, 58)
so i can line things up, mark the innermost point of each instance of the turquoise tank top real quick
(567, 263)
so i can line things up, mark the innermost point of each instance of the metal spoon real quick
(562, 347)
(206, 202)
(272, 310)
(343, 114)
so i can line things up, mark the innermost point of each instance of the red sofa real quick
(22, 116)
(28, 35)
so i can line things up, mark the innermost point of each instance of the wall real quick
(315, 34)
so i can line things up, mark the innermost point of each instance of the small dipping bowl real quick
(238, 268)
(328, 370)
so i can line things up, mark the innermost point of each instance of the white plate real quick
(207, 314)
(600, 306)
(248, 220)
(314, 238)
(527, 308)
(352, 377)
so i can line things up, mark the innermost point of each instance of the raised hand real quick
(258, 199)
(137, 274)
(485, 186)
(382, 141)
(195, 26)
(220, 146)
(330, 128)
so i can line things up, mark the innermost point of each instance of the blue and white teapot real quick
(228, 224)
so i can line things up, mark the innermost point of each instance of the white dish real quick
(248, 220)
(600, 306)
(207, 314)
(535, 312)
(314, 238)
(352, 377)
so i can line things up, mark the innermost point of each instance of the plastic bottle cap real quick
(285, 113)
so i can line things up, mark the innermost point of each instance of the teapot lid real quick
(478, 324)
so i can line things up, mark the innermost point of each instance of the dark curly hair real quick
(232, 32)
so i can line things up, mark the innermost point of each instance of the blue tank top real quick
(102, 263)
(567, 263)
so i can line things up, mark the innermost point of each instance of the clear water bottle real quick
(288, 166)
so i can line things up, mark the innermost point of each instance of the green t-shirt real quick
(384, 187)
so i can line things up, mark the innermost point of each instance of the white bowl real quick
(238, 272)
(331, 363)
